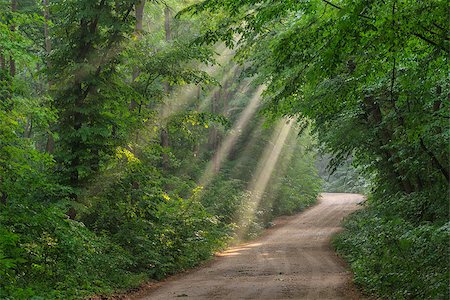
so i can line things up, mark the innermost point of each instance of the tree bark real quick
(434, 160)
(164, 133)
(167, 15)
(2, 61)
(165, 146)
(4, 198)
(139, 17)
(48, 42)
(139, 14)
(168, 38)
(50, 145)
(12, 62)
(375, 119)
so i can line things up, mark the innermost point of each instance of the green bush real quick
(393, 257)
(43, 253)
(162, 232)
(230, 192)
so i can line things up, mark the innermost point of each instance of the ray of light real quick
(263, 173)
(207, 101)
(246, 153)
(180, 99)
(222, 153)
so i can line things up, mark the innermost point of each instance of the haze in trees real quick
(127, 149)
(139, 137)
(372, 79)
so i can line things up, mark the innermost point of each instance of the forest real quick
(138, 138)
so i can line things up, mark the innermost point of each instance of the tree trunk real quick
(168, 38)
(165, 146)
(12, 62)
(139, 14)
(225, 97)
(139, 17)
(139, 8)
(167, 23)
(164, 133)
(4, 198)
(2, 61)
(48, 42)
(375, 119)
(50, 145)
(213, 140)
(436, 163)
(28, 128)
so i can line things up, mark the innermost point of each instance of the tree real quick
(92, 113)
(372, 83)
(371, 77)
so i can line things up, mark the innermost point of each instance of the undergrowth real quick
(398, 248)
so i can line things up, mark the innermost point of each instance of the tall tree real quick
(139, 13)
(12, 61)
(164, 135)
(84, 65)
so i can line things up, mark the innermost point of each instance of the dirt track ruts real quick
(294, 260)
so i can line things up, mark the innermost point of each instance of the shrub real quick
(395, 258)
(43, 253)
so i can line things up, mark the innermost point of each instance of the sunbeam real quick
(263, 173)
(183, 96)
(221, 154)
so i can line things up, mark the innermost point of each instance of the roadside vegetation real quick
(395, 251)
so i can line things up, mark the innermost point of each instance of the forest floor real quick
(292, 260)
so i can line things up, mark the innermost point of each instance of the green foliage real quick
(394, 257)
(232, 196)
(345, 178)
(24, 171)
(102, 150)
(294, 186)
(300, 186)
(84, 70)
(162, 232)
(372, 84)
(54, 251)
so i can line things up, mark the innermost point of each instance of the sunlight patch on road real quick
(235, 251)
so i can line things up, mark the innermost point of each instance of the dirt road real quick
(294, 260)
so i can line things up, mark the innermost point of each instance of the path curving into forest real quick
(293, 260)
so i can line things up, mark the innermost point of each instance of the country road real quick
(293, 260)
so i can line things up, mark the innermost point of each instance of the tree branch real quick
(338, 7)
(435, 161)
(430, 42)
